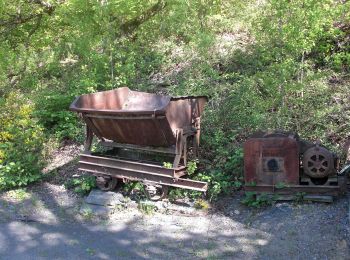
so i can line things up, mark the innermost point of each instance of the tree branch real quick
(129, 27)
(19, 19)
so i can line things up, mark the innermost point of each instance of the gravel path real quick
(280, 232)
(43, 221)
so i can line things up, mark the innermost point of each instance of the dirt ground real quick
(45, 221)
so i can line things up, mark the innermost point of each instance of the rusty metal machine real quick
(147, 137)
(282, 163)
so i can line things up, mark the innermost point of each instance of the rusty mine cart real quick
(140, 131)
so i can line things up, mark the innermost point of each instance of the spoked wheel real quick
(318, 162)
(156, 192)
(106, 183)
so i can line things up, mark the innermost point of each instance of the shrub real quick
(54, 115)
(219, 183)
(21, 141)
(82, 185)
(251, 199)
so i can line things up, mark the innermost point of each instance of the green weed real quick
(82, 185)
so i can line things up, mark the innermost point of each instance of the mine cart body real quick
(138, 121)
(282, 163)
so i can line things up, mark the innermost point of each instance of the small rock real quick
(160, 205)
(103, 198)
(342, 244)
(132, 204)
(237, 212)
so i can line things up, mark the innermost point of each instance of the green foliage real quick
(134, 185)
(146, 208)
(53, 113)
(201, 204)
(191, 167)
(20, 194)
(280, 185)
(219, 182)
(82, 185)
(177, 193)
(21, 141)
(275, 64)
(299, 197)
(254, 200)
(167, 165)
(87, 213)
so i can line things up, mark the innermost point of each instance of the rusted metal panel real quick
(139, 118)
(271, 160)
(281, 163)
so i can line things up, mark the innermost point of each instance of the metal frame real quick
(123, 169)
(139, 171)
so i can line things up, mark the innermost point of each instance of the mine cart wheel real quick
(106, 183)
(156, 192)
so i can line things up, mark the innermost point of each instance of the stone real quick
(132, 204)
(104, 198)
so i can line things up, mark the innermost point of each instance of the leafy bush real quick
(52, 111)
(219, 183)
(191, 167)
(21, 142)
(201, 204)
(251, 199)
(265, 65)
(82, 185)
(146, 208)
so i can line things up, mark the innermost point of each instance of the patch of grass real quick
(201, 204)
(118, 207)
(280, 185)
(299, 197)
(122, 253)
(249, 220)
(251, 184)
(82, 185)
(35, 201)
(87, 213)
(19, 194)
(146, 208)
(252, 199)
(90, 251)
(133, 185)
(73, 242)
(167, 165)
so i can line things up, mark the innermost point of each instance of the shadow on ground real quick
(132, 236)
(56, 230)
